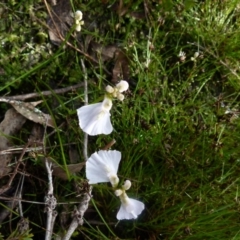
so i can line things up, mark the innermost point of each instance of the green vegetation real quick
(178, 128)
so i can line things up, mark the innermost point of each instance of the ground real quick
(177, 128)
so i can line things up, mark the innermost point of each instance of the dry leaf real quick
(60, 21)
(73, 154)
(103, 52)
(28, 110)
(121, 68)
(72, 168)
(10, 125)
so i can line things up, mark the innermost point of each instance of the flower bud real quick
(196, 55)
(122, 86)
(78, 28)
(78, 15)
(127, 184)
(109, 89)
(120, 96)
(118, 192)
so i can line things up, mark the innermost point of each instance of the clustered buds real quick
(78, 20)
(116, 92)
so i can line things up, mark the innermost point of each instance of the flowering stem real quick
(85, 141)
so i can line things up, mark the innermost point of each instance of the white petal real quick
(78, 15)
(122, 86)
(94, 119)
(130, 208)
(111, 158)
(102, 165)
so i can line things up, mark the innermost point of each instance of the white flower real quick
(78, 20)
(78, 15)
(122, 86)
(130, 208)
(102, 166)
(182, 56)
(94, 119)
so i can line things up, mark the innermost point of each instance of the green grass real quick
(179, 146)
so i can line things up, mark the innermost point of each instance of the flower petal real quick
(111, 158)
(130, 208)
(102, 166)
(94, 119)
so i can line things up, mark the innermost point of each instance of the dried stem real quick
(44, 93)
(78, 214)
(50, 202)
(83, 206)
(85, 142)
(19, 195)
(9, 183)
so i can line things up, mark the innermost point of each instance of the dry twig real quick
(85, 142)
(78, 214)
(50, 202)
(8, 185)
(45, 93)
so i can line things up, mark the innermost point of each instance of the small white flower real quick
(78, 20)
(130, 208)
(182, 56)
(122, 86)
(102, 166)
(94, 119)
(196, 55)
(78, 15)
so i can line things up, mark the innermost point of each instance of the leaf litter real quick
(28, 110)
